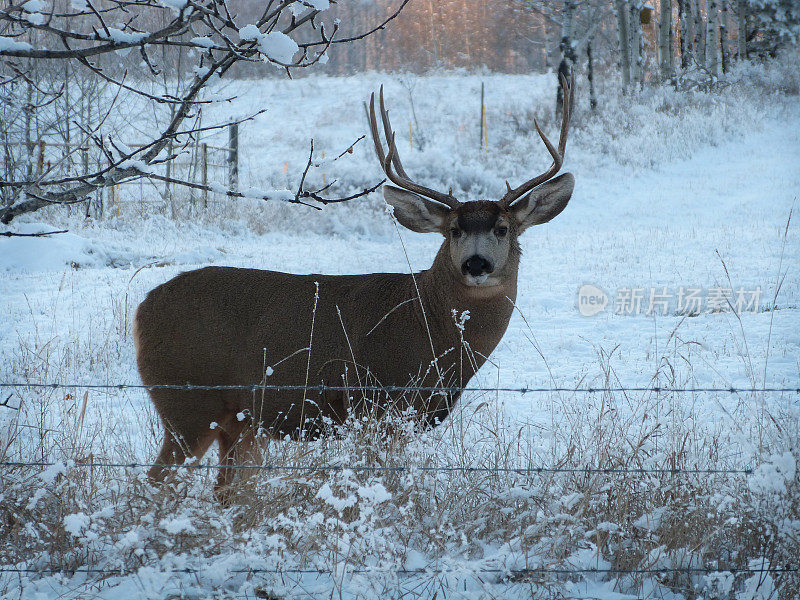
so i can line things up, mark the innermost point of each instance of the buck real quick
(224, 326)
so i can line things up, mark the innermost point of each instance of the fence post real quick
(233, 157)
(85, 165)
(204, 159)
(40, 160)
(167, 187)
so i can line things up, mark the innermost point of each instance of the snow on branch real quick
(94, 38)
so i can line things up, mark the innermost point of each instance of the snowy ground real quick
(698, 200)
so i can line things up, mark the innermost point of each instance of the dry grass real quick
(350, 519)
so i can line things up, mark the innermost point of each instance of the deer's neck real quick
(490, 308)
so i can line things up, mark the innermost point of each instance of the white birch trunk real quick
(635, 36)
(741, 17)
(567, 48)
(664, 45)
(623, 14)
(699, 34)
(687, 33)
(724, 47)
(712, 29)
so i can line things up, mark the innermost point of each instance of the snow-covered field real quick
(673, 194)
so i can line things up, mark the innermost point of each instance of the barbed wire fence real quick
(322, 388)
(506, 574)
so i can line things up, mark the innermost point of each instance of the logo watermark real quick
(685, 300)
(591, 300)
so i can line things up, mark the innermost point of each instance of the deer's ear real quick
(544, 202)
(415, 212)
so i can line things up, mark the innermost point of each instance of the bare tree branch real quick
(87, 35)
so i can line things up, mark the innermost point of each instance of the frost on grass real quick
(470, 523)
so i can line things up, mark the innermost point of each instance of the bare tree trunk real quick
(28, 122)
(712, 27)
(664, 46)
(567, 48)
(724, 49)
(546, 46)
(635, 36)
(623, 14)
(590, 76)
(685, 33)
(741, 17)
(699, 35)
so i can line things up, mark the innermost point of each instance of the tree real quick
(567, 49)
(664, 40)
(623, 16)
(771, 24)
(65, 37)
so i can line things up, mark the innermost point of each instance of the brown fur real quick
(223, 326)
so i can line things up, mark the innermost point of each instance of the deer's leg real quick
(232, 435)
(170, 449)
(177, 447)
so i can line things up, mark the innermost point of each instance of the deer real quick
(306, 334)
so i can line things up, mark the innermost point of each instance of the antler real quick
(390, 163)
(558, 154)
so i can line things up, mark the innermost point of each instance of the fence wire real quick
(384, 469)
(509, 573)
(401, 388)
(393, 389)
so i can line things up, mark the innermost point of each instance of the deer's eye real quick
(501, 231)
(455, 232)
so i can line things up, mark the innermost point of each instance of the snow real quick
(249, 32)
(658, 203)
(53, 253)
(122, 37)
(275, 45)
(773, 476)
(203, 41)
(278, 46)
(29, 255)
(175, 5)
(76, 524)
(9, 45)
(318, 4)
(33, 6)
(177, 525)
(201, 71)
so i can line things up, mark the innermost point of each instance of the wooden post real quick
(85, 165)
(233, 157)
(590, 76)
(485, 131)
(483, 115)
(40, 159)
(204, 158)
(167, 190)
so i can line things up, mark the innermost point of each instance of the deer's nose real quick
(476, 265)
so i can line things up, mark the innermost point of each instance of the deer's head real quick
(480, 236)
